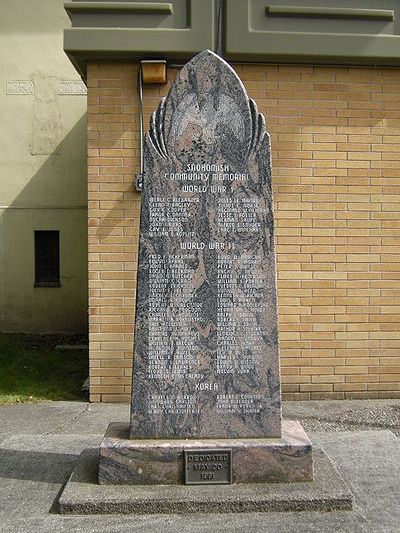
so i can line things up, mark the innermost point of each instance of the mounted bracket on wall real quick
(151, 72)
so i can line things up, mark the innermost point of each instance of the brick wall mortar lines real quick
(336, 148)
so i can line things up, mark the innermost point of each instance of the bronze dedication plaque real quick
(208, 467)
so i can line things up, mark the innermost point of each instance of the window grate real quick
(47, 258)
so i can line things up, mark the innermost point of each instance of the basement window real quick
(47, 259)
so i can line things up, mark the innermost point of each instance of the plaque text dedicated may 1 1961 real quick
(206, 358)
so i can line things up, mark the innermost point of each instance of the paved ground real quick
(40, 443)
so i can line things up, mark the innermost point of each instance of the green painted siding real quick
(115, 31)
(42, 168)
(351, 32)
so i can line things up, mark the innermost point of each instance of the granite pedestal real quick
(160, 462)
(83, 495)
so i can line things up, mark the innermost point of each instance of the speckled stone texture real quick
(152, 462)
(206, 356)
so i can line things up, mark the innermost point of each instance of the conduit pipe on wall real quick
(151, 72)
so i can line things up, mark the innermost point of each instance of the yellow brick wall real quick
(336, 173)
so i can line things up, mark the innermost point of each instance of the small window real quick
(47, 258)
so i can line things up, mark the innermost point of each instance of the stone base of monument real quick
(147, 476)
(83, 495)
(160, 462)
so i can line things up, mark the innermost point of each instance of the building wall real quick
(336, 150)
(42, 168)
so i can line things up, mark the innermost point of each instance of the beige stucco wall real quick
(42, 169)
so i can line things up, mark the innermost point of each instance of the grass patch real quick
(31, 370)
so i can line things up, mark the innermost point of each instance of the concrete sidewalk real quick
(40, 443)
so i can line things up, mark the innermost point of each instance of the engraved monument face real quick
(206, 356)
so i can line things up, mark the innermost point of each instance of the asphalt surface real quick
(40, 444)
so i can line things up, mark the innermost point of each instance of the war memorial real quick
(206, 398)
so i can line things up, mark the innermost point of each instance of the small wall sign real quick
(20, 87)
(72, 87)
(208, 467)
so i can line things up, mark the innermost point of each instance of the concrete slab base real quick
(160, 462)
(83, 495)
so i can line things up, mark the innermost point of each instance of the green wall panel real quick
(115, 31)
(312, 31)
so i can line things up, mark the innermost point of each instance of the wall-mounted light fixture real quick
(154, 71)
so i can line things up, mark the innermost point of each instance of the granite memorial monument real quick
(206, 401)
